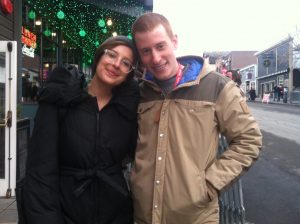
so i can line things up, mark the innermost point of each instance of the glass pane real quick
(2, 114)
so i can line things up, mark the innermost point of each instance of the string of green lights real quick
(84, 26)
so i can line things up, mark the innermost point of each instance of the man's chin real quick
(161, 74)
(163, 77)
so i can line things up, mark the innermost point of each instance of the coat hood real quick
(126, 97)
(196, 68)
(64, 86)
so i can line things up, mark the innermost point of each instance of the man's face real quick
(156, 50)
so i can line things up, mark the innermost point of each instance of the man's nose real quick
(156, 56)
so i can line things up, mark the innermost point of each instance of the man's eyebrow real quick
(160, 43)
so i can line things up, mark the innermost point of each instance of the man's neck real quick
(166, 85)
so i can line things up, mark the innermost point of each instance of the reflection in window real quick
(283, 57)
(280, 80)
(30, 87)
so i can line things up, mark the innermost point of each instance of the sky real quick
(229, 25)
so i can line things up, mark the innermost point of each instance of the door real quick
(8, 109)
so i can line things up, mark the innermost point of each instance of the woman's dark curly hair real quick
(236, 76)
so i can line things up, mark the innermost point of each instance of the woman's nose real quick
(117, 62)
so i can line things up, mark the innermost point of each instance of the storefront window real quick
(30, 87)
(280, 80)
(267, 87)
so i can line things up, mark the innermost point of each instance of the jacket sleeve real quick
(41, 187)
(128, 99)
(243, 136)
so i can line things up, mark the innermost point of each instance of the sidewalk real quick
(271, 101)
(8, 210)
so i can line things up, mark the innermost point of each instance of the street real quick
(272, 186)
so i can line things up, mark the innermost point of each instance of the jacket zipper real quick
(97, 192)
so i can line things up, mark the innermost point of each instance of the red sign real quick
(6, 6)
(28, 38)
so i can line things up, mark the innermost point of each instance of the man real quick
(185, 105)
(275, 92)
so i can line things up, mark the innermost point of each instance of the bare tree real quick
(296, 39)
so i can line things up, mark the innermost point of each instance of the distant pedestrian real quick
(26, 89)
(235, 76)
(280, 92)
(276, 93)
(252, 94)
(34, 92)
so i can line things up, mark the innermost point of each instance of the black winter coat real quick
(74, 173)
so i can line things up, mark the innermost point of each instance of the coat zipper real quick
(98, 194)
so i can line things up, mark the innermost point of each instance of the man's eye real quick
(145, 51)
(161, 46)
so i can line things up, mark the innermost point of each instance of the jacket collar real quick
(195, 68)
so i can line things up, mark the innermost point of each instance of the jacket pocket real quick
(203, 197)
(147, 113)
(144, 107)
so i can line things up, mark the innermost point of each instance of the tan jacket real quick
(177, 175)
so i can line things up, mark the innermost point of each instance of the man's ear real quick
(175, 41)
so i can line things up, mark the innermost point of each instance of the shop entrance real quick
(8, 101)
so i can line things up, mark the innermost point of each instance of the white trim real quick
(273, 74)
(10, 133)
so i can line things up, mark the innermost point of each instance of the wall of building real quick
(10, 30)
(273, 67)
(6, 25)
(241, 59)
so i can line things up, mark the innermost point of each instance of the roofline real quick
(283, 41)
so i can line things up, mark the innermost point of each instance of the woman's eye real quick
(126, 63)
(112, 55)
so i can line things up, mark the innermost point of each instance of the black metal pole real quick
(59, 48)
(41, 55)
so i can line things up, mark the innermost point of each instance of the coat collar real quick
(195, 68)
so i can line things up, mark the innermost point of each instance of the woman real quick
(235, 76)
(80, 141)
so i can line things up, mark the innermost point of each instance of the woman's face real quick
(229, 75)
(113, 66)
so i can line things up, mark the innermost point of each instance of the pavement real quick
(272, 101)
(8, 210)
(8, 206)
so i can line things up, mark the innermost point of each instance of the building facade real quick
(274, 68)
(248, 78)
(236, 60)
(230, 60)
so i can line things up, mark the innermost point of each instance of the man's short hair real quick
(148, 21)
